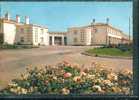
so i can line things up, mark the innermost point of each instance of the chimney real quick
(17, 18)
(26, 20)
(7, 16)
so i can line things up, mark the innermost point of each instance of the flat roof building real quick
(96, 34)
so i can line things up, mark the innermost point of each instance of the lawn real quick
(110, 52)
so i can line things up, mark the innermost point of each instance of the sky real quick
(58, 16)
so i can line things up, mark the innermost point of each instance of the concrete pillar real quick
(63, 43)
(53, 41)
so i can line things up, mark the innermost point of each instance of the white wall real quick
(39, 35)
(71, 36)
(88, 36)
(9, 33)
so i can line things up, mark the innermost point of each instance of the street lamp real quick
(92, 33)
(129, 30)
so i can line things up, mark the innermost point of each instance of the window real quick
(82, 37)
(28, 30)
(22, 39)
(42, 31)
(36, 35)
(42, 39)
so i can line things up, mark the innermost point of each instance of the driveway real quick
(14, 62)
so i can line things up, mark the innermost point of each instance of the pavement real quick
(14, 62)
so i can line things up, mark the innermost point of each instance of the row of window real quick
(36, 30)
(82, 37)
(28, 30)
(22, 39)
(36, 34)
(112, 31)
(22, 30)
(76, 31)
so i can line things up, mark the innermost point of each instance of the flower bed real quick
(71, 79)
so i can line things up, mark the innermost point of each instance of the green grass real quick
(110, 52)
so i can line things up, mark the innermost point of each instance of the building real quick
(79, 36)
(15, 32)
(57, 38)
(96, 34)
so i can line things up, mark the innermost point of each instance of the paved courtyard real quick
(14, 62)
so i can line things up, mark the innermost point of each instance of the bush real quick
(15, 46)
(8, 46)
(125, 47)
(70, 79)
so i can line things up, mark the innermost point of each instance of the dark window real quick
(50, 40)
(22, 39)
(65, 40)
(1, 38)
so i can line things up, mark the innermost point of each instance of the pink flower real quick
(67, 75)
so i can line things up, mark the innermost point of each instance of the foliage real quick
(9, 46)
(69, 79)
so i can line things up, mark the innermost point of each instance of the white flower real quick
(83, 74)
(24, 91)
(55, 78)
(12, 84)
(112, 76)
(65, 91)
(97, 87)
(13, 90)
(90, 76)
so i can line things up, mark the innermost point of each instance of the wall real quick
(85, 39)
(99, 37)
(37, 35)
(9, 33)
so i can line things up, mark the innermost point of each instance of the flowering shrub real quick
(70, 79)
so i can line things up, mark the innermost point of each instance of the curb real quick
(94, 55)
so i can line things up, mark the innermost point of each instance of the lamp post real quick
(107, 37)
(92, 33)
(129, 30)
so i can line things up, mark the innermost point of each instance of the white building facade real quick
(15, 32)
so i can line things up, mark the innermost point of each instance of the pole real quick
(92, 32)
(129, 30)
